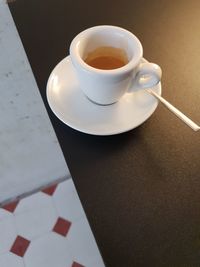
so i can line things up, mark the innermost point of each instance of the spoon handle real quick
(174, 110)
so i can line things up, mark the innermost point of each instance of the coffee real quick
(107, 58)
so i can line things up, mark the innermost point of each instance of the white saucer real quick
(73, 108)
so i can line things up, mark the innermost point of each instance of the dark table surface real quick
(140, 189)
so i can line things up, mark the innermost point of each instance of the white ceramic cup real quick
(108, 86)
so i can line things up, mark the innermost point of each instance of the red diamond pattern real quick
(11, 206)
(76, 264)
(20, 246)
(62, 226)
(50, 190)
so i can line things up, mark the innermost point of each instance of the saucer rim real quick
(67, 58)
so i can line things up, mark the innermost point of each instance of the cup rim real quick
(128, 67)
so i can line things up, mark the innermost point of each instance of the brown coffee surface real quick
(107, 58)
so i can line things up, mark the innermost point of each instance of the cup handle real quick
(148, 75)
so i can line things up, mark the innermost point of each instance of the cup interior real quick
(108, 36)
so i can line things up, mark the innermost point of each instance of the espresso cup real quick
(107, 86)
